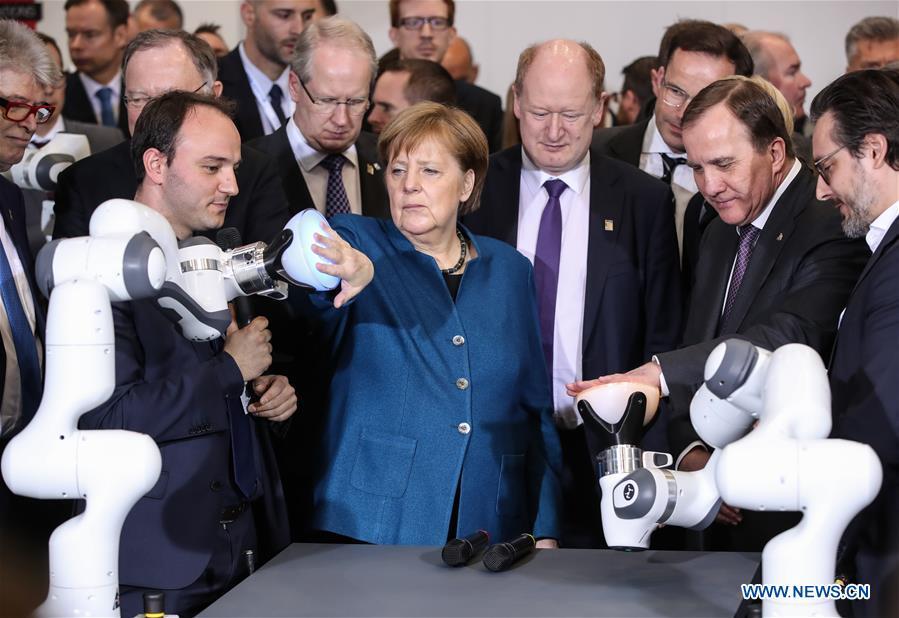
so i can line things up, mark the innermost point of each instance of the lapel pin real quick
(370, 169)
(609, 225)
(780, 236)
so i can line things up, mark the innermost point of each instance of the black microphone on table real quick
(457, 552)
(502, 556)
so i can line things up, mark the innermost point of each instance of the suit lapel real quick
(776, 233)
(628, 145)
(19, 236)
(508, 193)
(604, 227)
(889, 239)
(716, 256)
(298, 196)
(371, 180)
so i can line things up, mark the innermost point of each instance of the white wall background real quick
(620, 30)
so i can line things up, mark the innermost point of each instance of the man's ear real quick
(878, 144)
(155, 165)
(217, 88)
(657, 75)
(778, 152)
(600, 110)
(247, 13)
(393, 35)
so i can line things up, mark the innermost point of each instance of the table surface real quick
(392, 580)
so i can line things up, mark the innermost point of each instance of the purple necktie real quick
(748, 235)
(336, 202)
(546, 265)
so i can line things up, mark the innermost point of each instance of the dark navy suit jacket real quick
(179, 393)
(633, 302)
(864, 382)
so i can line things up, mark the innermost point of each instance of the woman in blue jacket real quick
(439, 417)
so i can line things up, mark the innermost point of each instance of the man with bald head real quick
(776, 60)
(600, 234)
(459, 61)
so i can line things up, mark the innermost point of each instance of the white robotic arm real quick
(787, 464)
(40, 167)
(51, 458)
(639, 498)
(132, 253)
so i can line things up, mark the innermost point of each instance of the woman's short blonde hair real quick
(450, 127)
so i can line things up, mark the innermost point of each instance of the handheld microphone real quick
(459, 551)
(501, 556)
(228, 238)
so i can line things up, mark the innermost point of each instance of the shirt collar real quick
(534, 177)
(58, 127)
(92, 85)
(760, 221)
(880, 226)
(307, 156)
(261, 79)
(654, 143)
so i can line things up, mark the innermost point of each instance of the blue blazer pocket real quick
(510, 496)
(383, 463)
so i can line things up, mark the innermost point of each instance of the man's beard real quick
(858, 222)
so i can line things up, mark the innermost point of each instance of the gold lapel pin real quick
(609, 225)
(370, 169)
(780, 236)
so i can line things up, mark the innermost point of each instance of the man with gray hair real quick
(324, 159)
(872, 43)
(776, 60)
(155, 62)
(26, 74)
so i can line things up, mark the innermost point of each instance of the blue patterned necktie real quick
(748, 235)
(23, 340)
(107, 117)
(546, 265)
(276, 96)
(336, 201)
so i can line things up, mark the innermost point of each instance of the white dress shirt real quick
(570, 295)
(261, 85)
(91, 86)
(880, 225)
(316, 176)
(11, 407)
(683, 184)
(58, 127)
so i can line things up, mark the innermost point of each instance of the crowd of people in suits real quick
(492, 266)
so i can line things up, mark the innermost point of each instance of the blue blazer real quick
(427, 394)
(179, 392)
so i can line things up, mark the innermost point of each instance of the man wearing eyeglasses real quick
(856, 145)
(424, 29)
(255, 73)
(155, 62)
(324, 159)
(692, 55)
(26, 73)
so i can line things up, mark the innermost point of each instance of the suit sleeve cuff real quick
(228, 374)
(663, 385)
(690, 447)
